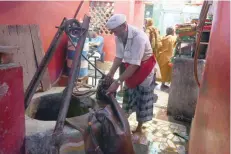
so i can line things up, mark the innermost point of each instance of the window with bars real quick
(100, 12)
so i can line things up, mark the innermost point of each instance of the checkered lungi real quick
(139, 100)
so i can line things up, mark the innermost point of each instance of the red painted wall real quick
(50, 14)
(47, 15)
(210, 132)
(139, 14)
(12, 120)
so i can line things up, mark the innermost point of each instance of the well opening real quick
(47, 106)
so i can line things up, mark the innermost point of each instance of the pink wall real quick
(210, 132)
(50, 14)
(47, 15)
(138, 20)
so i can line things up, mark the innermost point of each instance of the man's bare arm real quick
(117, 62)
(128, 72)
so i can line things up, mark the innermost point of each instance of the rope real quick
(202, 18)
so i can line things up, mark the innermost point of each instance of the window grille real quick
(100, 12)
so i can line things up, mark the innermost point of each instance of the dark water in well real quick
(48, 107)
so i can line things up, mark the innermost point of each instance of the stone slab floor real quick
(157, 135)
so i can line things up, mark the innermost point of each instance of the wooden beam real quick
(39, 54)
(6, 49)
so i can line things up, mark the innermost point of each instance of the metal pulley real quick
(73, 28)
(74, 31)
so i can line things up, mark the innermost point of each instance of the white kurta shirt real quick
(137, 49)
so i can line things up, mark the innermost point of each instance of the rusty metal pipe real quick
(202, 18)
(95, 67)
(57, 134)
(78, 9)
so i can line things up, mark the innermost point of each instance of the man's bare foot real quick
(138, 129)
(164, 86)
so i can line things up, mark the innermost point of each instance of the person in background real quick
(154, 37)
(98, 42)
(133, 48)
(164, 55)
(83, 72)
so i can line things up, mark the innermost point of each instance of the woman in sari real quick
(153, 35)
(154, 38)
(164, 55)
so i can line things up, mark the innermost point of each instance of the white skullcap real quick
(115, 21)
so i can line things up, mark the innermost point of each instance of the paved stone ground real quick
(157, 134)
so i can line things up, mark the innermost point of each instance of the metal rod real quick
(57, 134)
(93, 66)
(78, 9)
(95, 71)
(181, 136)
(6, 49)
(43, 65)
